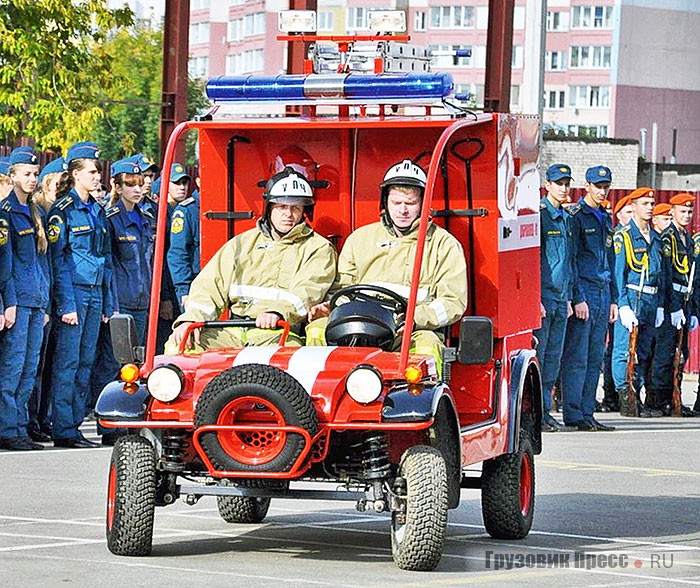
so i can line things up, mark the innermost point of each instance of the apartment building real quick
(612, 68)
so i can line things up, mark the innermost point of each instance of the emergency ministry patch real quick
(178, 223)
(55, 223)
(617, 242)
(667, 248)
(4, 232)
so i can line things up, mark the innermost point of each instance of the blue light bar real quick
(330, 87)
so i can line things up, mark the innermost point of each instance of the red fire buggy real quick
(377, 425)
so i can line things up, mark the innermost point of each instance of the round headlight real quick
(165, 383)
(364, 384)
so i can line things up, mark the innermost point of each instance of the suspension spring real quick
(375, 456)
(174, 443)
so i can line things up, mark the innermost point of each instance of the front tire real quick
(131, 497)
(418, 533)
(508, 492)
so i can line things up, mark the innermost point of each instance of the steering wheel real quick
(367, 293)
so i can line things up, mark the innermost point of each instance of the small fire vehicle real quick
(247, 425)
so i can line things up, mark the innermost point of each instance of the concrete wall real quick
(620, 156)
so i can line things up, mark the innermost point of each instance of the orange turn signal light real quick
(129, 373)
(413, 374)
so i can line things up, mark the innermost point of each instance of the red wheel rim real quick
(111, 496)
(252, 447)
(525, 485)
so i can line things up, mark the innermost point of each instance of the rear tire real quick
(508, 492)
(242, 509)
(252, 394)
(131, 497)
(418, 535)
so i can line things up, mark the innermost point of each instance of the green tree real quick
(52, 64)
(132, 105)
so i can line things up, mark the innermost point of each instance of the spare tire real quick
(254, 394)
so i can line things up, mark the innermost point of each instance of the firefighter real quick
(640, 285)
(679, 259)
(83, 298)
(27, 300)
(381, 254)
(149, 171)
(555, 263)
(593, 302)
(277, 270)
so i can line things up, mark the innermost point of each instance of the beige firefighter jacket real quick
(373, 254)
(252, 273)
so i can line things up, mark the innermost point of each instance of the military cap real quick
(5, 166)
(621, 203)
(662, 209)
(683, 199)
(53, 167)
(24, 155)
(598, 174)
(82, 150)
(641, 193)
(177, 172)
(124, 166)
(145, 163)
(557, 172)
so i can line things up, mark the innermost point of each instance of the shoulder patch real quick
(177, 224)
(543, 206)
(617, 242)
(64, 203)
(55, 227)
(187, 201)
(6, 206)
(4, 232)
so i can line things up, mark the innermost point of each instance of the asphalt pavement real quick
(612, 509)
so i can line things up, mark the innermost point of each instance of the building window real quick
(233, 30)
(519, 18)
(198, 67)
(515, 96)
(587, 130)
(479, 56)
(199, 33)
(254, 24)
(555, 100)
(233, 65)
(517, 57)
(593, 57)
(325, 21)
(592, 17)
(199, 4)
(555, 61)
(589, 97)
(419, 21)
(253, 61)
(443, 56)
(357, 18)
(452, 17)
(557, 21)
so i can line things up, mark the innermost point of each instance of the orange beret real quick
(662, 208)
(641, 192)
(683, 199)
(621, 203)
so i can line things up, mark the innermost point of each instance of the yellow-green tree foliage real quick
(54, 70)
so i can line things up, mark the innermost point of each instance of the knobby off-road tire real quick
(256, 391)
(131, 497)
(417, 543)
(242, 509)
(508, 493)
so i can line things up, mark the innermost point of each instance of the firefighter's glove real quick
(628, 318)
(678, 319)
(693, 323)
(659, 317)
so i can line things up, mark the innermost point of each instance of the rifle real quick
(632, 358)
(678, 359)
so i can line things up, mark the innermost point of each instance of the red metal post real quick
(175, 57)
(297, 51)
(499, 53)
